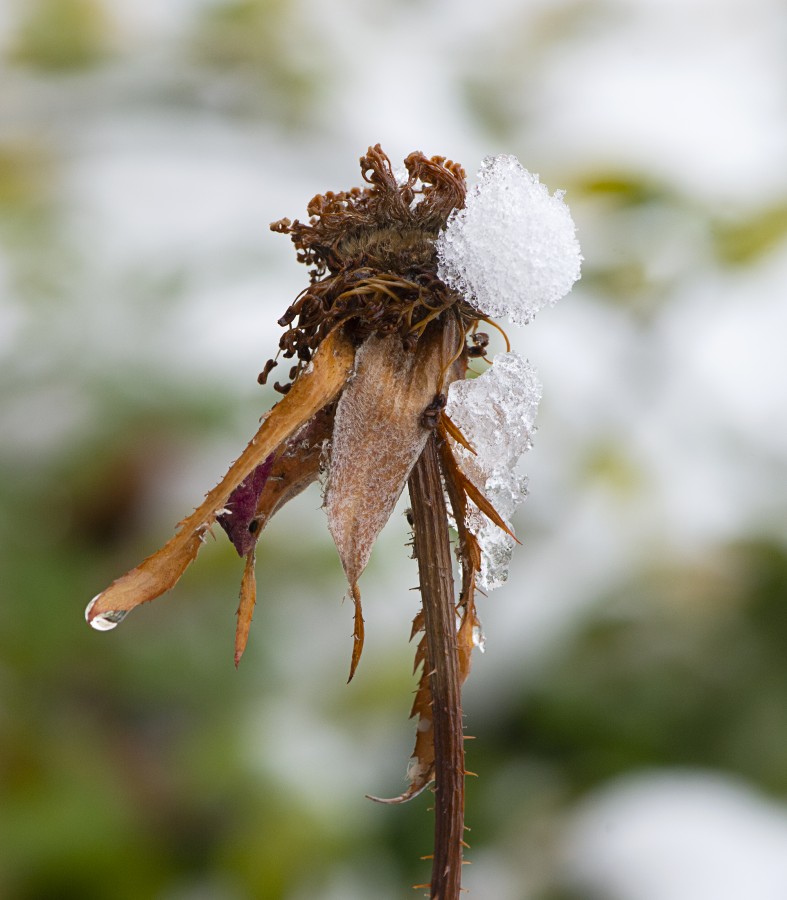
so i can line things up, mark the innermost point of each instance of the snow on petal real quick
(496, 413)
(512, 249)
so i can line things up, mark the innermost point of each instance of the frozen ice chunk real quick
(512, 250)
(496, 413)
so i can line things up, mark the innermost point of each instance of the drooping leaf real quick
(311, 391)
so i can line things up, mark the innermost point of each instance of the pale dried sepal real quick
(248, 597)
(378, 436)
(313, 389)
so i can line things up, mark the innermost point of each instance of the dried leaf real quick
(452, 429)
(469, 549)
(453, 470)
(469, 627)
(420, 771)
(248, 597)
(311, 391)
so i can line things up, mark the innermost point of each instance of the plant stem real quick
(433, 551)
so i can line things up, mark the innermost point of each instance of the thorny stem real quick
(432, 549)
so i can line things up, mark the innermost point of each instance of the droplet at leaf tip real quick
(105, 621)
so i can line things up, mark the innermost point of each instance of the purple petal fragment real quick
(239, 520)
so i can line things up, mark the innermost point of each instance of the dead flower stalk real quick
(403, 273)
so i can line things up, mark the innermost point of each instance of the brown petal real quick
(248, 597)
(311, 391)
(378, 436)
(358, 630)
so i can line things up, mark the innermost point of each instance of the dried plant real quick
(403, 273)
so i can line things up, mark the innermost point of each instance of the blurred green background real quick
(631, 708)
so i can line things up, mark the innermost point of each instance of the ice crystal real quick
(496, 413)
(512, 249)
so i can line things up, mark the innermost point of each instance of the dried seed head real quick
(373, 258)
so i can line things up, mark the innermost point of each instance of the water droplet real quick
(106, 621)
(478, 638)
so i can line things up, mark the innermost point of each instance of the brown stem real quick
(433, 551)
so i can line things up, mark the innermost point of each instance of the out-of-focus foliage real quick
(745, 241)
(143, 150)
(60, 35)
(267, 49)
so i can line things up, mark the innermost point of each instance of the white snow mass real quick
(512, 250)
(496, 413)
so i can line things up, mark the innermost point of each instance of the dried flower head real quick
(373, 256)
(403, 272)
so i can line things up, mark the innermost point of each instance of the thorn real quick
(472, 774)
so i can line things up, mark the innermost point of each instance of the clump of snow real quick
(512, 250)
(496, 413)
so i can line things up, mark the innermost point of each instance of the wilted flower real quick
(403, 273)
